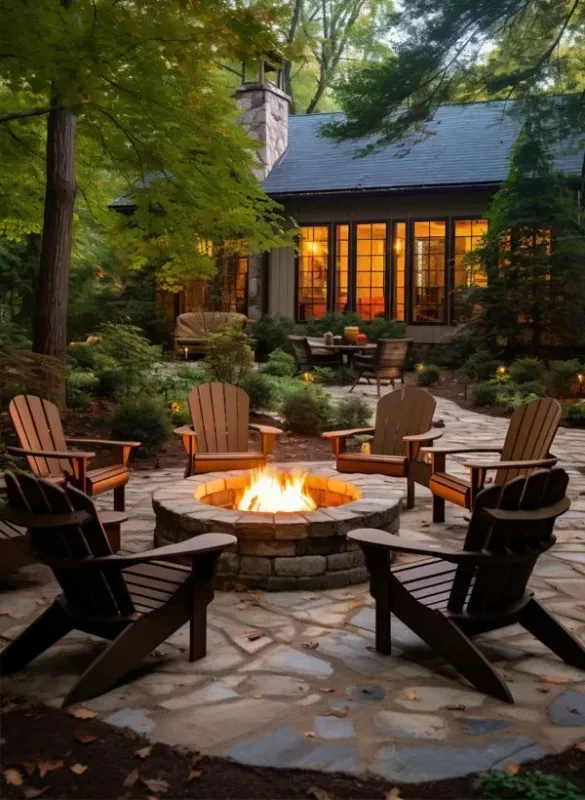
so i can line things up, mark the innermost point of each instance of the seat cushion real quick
(450, 487)
(394, 466)
(105, 478)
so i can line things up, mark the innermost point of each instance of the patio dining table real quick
(349, 350)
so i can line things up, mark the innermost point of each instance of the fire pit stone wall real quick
(282, 551)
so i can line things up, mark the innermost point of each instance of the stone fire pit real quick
(282, 551)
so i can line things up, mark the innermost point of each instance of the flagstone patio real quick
(292, 679)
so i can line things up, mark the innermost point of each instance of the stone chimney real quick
(264, 115)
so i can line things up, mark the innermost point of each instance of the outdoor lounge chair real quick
(135, 600)
(403, 426)
(387, 362)
(455, 594)
(38, 426)
(218, 438)
(527, 446)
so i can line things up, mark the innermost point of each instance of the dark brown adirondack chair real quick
(135, 600)
(218, 438)
(38, 426)
(452, 595)
(403, 426)
(386, 363)
(530, 435)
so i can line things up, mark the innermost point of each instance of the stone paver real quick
(311, 691)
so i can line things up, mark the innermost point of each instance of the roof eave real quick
(376, 190)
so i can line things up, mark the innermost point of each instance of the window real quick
(312, 271)
(468, 235)
(399, 270)
(371, 270)
(428, 267)
(236, 285)
(341, 268)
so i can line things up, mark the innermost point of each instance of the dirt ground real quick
(53, 754)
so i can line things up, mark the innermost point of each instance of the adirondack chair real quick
(38, 426)
(530, 435)
(136, 600)
(403, 426)
(455, 594)
(218, 438)
(386, 363)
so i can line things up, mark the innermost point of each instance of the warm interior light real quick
(273, 491)
(398, 245)
(313, 248)
(581, 378)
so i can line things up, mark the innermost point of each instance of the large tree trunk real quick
(50, 319)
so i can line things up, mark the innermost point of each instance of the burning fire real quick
(274, 491)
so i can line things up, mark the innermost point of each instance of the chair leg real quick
(119, 498)
(132, 645)
(438, 509)
(378, 384)
(38, 637)
(547, 630)
(409, 492)
(355, 383)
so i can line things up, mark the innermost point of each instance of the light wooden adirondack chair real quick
(135, 600)
(218, 438)
(403, 426)
(455, 594)
(530, 435)
(38, 426)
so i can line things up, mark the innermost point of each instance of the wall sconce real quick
(308, 377)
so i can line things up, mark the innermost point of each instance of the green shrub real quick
(352, 412)
(271, 333)
(481, 366)
(81, 384)
(109, 382)
(142, 419)
(533, 785)
(575, 414)
(381, 328)
(485, 393)
(526, 370)
(280, 364)
(427, 374)
(307, 409)
(331, 323)
(561, 376)
(259, 389)
(176, 385)
(180, 413)
(228, 355)
(514, 400)
(324, 375)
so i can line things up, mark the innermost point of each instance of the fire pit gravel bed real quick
(287, 550)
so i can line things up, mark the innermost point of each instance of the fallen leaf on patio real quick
(328, 690)
(49, 766)
(129, 733)
(580, 746)
(357, 603)
(7, 612)
(393, 794)
(157, 786)
(543, 689)
(196, 759)
(13, 777)
(557, 679)
(258, 696)
(412, 695)
(239, 587)
(456, 707)
(83, 737)
(144, 752)
(310, 645)
(193, 775)
(254, 636)
(512, 768)
(83, 713)
(310, 734)
(41, 602)
(317, 793)
(131, 778)
(78, 769)
(33, 792)
(371, 648)
(29, 767)
(336, 712)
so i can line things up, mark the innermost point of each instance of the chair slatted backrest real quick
(405, 411)
(92, 592)
(220, 414)
(302, 351)
(38, 426)
(391, 354)
(496, 587)
(530, 435)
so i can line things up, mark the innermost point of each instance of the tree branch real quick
(34, 112)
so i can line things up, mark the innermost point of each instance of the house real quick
(382, 235)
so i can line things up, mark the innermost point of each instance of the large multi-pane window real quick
(468, 270)
(399, 270)
(342, 268)
(429, 248)
(236, 284)
(313, 262)
(370, 270)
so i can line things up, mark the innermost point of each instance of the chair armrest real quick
(542, 462)
(350, 432)
(371, 536)
(185, 430)
(19, 451)
(529, 515)
(429, 436)
(453, 450)
(267, 429)
(27, 519)
(103, 443)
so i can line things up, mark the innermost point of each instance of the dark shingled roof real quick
(465, 145)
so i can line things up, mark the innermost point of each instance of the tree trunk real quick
(50, 319)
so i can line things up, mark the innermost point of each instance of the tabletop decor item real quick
(328, 337)
(350, 334)
(361, 338)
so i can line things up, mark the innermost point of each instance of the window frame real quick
(353, 261)
(410, 269)
(330, 263)
(452, 288)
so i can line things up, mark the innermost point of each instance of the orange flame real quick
(274, 491)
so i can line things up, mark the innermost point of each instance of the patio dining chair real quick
(387, 362)
(310, 353)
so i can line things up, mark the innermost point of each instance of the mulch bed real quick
(38, 739)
